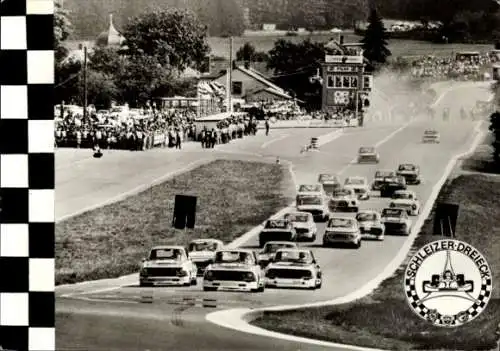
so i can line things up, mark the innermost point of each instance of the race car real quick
(359, 185)
(406, 199)
(370, 225)
(202, 252)
(368, 154)
(270, 248)
(167, 265)
(294, 268)
(342, 231)
(310, 189)
(317, 205)
(431, 136)
(343, 199)
(236, 269)
(396, 221)
(304, 225)
(277, 229)
(330, 182)
(380, 174)
(410, 172)
(391, 184)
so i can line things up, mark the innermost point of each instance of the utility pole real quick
(230, 78)
(85, 83)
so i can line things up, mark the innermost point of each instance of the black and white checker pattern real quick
(424, 312)
(27, 175)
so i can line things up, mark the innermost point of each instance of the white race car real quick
(359, 185)
(311, 189)
(202, 252)
(167, 265)
(294, 268)
(344, 199)
(342, 230)
(396, 221)
(406, 199)
(304, 225)
(316, 205)
(368, 154)
(270, 248)
(330, 182)
(370, 225)
(379, 177)
(236, 270)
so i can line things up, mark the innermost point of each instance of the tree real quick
(223, 18)
(294, 64)
(106, 60)
(494, 127)
(62, 30)
(101, 89)
(174, 38)
(375, 40)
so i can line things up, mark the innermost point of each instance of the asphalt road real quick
(109, 315)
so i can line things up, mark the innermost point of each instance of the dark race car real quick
(410, 172)
(330, 182)
(392, 184)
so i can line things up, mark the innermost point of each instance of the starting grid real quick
(26, 175)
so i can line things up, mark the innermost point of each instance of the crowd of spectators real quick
(465, 67)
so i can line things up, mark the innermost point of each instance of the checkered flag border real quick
(438, 319)
(27, 175)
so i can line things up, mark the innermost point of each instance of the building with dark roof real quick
(110, 37)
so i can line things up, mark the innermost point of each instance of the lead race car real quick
(294, 268)
(368, 154)
(406, 199)
(234, 270)
(202, 252)
(167, 265)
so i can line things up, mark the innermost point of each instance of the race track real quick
(108, 314)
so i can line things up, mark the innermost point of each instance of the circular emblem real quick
(448, 283)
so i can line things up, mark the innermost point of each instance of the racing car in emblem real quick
(304, 225)
(396, 221)
(267, 254)
(294, 268)
(380, 174)
(277, 229)
(370, 225)
(167, 265)
(202, 252)
(344, 199)
(406, 199)
(234, 270)
(316, 205)
(368, 154)
(359, 185)
(410, 172)
(342, 231)
(330, 182)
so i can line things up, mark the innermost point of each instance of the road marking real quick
(267, 143)
(238, 319)
(137, 189)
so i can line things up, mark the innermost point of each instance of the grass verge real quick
(482, 160)
(383, 319)
(233, 197)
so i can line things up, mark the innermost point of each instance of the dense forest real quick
(463, 20)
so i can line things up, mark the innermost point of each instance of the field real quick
(233, 197)
(220, 46)
(383, 319)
